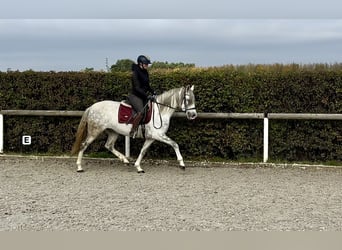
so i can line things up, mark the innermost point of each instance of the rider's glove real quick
(151, 98)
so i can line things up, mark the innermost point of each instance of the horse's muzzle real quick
(191, 114)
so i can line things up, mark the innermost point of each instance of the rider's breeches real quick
(137, 103)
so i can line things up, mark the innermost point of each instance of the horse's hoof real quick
(182, 167)
(80, 170)
(141, 172)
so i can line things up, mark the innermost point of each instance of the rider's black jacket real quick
(141, 82)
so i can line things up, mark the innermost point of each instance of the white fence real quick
(265, 117)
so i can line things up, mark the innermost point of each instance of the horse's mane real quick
(171, 98)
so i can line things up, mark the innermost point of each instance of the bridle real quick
(185, 102)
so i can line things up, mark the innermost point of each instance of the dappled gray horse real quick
(103, 117)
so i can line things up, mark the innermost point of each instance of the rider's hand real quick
(151, 98)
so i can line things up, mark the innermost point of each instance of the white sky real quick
(63, 35)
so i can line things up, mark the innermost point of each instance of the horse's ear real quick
(188, 87)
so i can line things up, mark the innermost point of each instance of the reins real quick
(161, 120)
(166, 105)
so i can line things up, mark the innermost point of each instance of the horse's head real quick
(188, 103)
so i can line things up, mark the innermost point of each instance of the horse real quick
(103, 117)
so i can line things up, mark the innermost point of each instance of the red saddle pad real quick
(125, 113)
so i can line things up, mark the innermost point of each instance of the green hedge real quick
(248, 88)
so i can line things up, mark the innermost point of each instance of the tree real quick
(167, 65)
(122, 65)
(87, 70)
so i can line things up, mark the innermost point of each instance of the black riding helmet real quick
(144, 59)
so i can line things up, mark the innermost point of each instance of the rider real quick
(141, 90)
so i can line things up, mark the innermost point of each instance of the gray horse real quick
(103, 117)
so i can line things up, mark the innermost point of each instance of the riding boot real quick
(136, 121)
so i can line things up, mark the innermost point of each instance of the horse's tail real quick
(81, 133)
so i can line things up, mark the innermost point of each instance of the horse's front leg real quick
(143, 151)
(175, 146)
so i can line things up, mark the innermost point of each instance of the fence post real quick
(265, 137)
(127, 146)
(1, 133)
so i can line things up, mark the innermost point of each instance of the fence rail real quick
(265, 116)
(41, 113)
(278, 116)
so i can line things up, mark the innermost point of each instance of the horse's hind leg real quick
(112, 137)
(90, 138)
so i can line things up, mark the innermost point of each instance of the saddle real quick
(126, 113)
